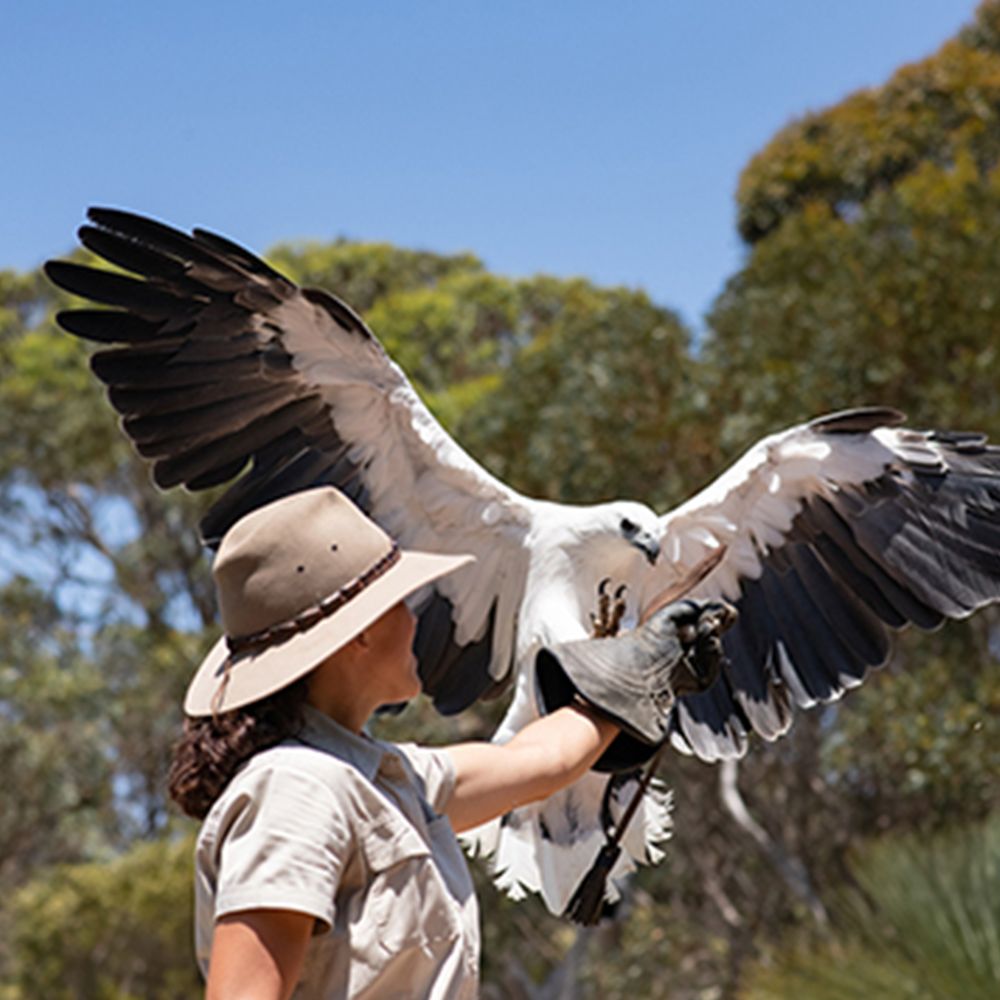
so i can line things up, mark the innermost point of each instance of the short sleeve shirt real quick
(346, 829)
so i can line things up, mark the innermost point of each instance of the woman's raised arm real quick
(548, 754)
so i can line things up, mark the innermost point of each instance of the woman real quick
(327, 860)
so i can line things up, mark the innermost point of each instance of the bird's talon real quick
(610, 610)
(617, 613)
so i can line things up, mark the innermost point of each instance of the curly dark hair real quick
(212, 748)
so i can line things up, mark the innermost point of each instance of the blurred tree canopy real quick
(107, 929)
(871, 276)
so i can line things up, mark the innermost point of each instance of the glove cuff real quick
(630, 749)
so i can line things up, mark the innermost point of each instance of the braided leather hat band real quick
(281, 631)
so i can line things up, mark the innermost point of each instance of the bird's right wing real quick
(226, 372)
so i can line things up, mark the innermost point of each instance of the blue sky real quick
(602, 139)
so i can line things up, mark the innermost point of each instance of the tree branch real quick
(789, 867)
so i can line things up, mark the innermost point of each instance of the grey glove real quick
(636, 678)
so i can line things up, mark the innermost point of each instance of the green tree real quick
(119, 929)
(46, 690)
(598, 402)
(105, 578)
(872, 264)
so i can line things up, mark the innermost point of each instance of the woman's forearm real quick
(548, 754)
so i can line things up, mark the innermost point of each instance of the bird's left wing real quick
(833, 534)
(224, 368)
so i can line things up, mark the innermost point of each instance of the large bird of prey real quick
(826, 537)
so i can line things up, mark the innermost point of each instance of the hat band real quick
(311, 616)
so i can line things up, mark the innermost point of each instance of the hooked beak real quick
(648, 545)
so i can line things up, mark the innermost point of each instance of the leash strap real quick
(586, 905)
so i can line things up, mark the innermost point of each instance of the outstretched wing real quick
(224, 368)
(835, 534)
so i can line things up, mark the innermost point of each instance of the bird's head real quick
(624, 526)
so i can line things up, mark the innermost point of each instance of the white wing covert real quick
(835, 533)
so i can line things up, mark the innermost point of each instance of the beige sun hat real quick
(296, 581)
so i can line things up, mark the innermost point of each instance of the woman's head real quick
(312, 600)
(297, 581)
(376, 667)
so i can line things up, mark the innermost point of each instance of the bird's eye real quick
(628, 527)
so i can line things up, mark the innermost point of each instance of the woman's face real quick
(393, 663)
(377, 668)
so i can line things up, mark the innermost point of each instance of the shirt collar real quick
(322, 732)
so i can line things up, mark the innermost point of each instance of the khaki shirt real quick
(346, 828)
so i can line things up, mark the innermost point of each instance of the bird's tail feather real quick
(548, 847)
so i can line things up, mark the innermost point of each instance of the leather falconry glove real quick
(636, 678)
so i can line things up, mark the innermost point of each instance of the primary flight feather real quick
(826, 537)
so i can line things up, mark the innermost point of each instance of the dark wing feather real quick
(107, 326)
(142, 298)
(838, 533)
(456, 674)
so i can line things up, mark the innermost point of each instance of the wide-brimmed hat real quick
(296, 581)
